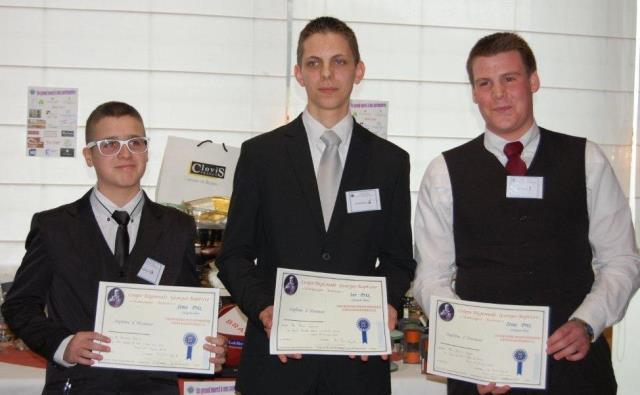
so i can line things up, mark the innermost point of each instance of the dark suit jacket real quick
(67, 257)
(276, 218)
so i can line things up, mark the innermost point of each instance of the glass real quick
(396, 345)
(111, 147)
(424, 351)
(210, 214)
(411, 345)
(5, 334)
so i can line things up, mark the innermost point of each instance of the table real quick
(408, 380)
(20, 380)
(24, 380)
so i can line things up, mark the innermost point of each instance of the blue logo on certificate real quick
(363, 325)
(190, 339)
(520, 356)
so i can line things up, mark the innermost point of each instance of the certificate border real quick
(282, 273)
(545, 326)
(173, 289)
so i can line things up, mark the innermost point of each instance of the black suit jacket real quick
(67, 257)
(276, 218)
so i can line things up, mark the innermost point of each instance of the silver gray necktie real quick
(329, 174)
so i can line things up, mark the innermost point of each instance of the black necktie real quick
(122, 237)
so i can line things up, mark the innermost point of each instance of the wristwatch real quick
(587, 327)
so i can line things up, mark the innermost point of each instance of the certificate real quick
(483, 343)
(329, 314)
(155, 327)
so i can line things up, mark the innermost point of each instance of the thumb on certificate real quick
(393, 317)
(266, 317)
(217, 346)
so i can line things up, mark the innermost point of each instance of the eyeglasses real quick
(111, 147)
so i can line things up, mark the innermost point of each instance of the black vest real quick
(522, 251)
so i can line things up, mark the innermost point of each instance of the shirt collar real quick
(315, 129)
(529, 140)
(104, 205)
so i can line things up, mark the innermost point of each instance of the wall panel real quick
(218, 70)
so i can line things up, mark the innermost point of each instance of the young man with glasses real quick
(70, 249)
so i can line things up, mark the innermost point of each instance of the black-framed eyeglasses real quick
(111, 147)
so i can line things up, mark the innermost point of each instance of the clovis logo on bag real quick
(208, 170)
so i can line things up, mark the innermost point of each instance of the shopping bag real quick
(192, 169)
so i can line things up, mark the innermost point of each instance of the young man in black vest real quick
(571, 248)
(279, 218)
(70, 249)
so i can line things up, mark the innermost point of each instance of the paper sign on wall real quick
(52, 121)
(193, 170)
(217, 387)
(372, 114)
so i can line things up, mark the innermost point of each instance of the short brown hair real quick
(497, 43)
(109, 109)
(328, 24)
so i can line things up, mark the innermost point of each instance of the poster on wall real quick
(372, 114)
(52, 121)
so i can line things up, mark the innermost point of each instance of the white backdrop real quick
(218, 70)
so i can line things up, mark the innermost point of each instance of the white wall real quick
(192, 68)
(218, 70)
(626, 345)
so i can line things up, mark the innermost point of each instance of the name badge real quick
(151, 271)
(524, 187)
(364, 200)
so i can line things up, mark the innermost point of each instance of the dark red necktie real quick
(515, 164)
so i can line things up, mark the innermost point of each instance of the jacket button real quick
(326, 256)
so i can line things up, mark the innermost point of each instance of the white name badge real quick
(151, 271)
(524, 187)
(364, 200)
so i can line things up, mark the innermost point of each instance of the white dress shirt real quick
(616, 263)
(102, 209)
(315, 129)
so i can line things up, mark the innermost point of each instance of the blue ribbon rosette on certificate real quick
(189, 339)
(363, 325)
(520, 356)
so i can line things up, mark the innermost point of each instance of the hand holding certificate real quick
(330, 314)
(156, 327)
(483, 342)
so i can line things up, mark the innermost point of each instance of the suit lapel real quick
(358, 158)
(297, 145)
(95, 256)
(149, 231)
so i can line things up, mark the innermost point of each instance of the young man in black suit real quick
(285, 214)
(70, 249)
